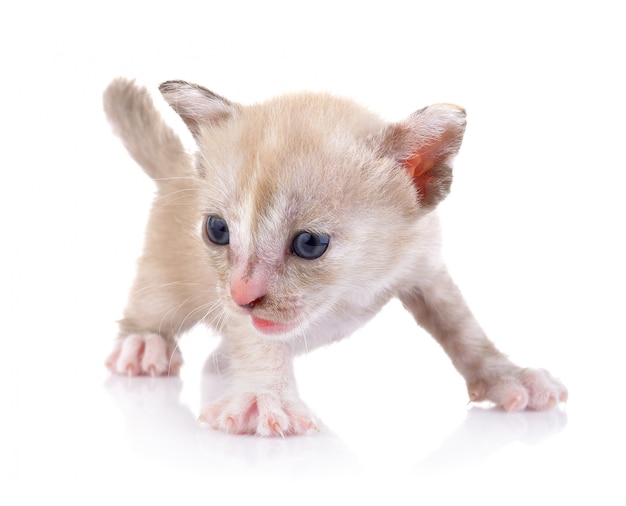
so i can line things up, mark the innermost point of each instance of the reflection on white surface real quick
(160, 427)
(486, 431)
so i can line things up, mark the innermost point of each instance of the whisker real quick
(200, 308)
(176, 178)
(161, 286)
(169, 364)
(219, 320)
(169, 313)
(302, 323)
(211, 308)
(173, 198)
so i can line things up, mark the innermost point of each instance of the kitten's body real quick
(308, 163)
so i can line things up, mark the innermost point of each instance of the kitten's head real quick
(309, 203)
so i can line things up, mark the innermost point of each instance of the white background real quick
(534, 233)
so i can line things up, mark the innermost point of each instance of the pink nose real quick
(250, 292)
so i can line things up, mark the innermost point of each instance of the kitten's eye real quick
(309, 246)
(217, 230)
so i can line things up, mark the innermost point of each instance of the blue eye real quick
(217, 230)
(309, 246)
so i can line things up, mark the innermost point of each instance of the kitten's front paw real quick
(144, 354)
(534, 389)
(264, 414)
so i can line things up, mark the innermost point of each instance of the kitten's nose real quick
(252, 303)
(248, 293)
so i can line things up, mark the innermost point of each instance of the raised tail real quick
(152, 143)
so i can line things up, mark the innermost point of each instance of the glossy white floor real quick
(534, 231)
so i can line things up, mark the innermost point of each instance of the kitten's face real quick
(298, 214)
(309, 204)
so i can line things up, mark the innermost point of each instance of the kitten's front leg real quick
(440, 308)
(162, 306)
(147, 340)
(262, 396)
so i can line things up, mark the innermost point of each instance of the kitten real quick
(295, 222)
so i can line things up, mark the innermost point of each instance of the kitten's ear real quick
(425, 144)
(196, 105)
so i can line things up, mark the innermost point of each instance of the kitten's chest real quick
(348, 317)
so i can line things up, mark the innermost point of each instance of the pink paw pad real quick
(259, 414)
(144, 354)
(545, 391)
(533, 389)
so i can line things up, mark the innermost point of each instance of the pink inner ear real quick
(418, 167)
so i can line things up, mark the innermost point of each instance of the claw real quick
(516, 403)
(152, 371)
(229, 423)
(277, 428)
(314, 426)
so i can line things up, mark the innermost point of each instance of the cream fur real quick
(303, 162)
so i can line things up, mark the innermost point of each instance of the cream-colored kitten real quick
(292, 226)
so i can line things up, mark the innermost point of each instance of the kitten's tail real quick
(148, 138)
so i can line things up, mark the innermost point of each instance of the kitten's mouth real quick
(271, 327)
